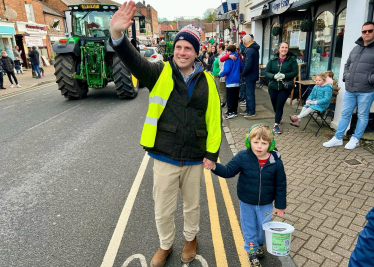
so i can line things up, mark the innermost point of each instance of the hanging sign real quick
(280, 6)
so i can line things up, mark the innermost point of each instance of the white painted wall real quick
(257, 29)
(356, 16)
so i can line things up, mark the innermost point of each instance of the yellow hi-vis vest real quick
(158, 98)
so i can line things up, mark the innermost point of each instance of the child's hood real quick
(274, 156)
(329, 81)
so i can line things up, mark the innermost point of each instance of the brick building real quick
(149, 12)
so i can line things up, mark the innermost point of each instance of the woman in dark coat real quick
(282, 68)
(212, 56)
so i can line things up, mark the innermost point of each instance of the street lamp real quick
(219, 15)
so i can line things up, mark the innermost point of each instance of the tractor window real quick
(91, 23)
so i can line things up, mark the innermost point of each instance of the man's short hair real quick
(368, 23)
(247, 39)
(262, 131)
(231, 48)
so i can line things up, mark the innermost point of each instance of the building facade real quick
(335, 26)
(151, 14)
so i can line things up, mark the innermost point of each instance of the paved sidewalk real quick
(327, 198)
(27, 81)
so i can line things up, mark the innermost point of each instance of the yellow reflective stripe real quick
(158, 98)
(213, 116)
(151, 130)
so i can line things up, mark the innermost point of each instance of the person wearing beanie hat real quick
(182, 129)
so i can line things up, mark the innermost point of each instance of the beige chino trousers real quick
(167, 181)
(221, 88)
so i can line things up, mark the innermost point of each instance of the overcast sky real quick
(179, 8)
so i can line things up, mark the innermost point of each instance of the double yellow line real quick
(219, 248)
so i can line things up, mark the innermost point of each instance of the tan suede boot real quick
(189, 251)
(159, 259)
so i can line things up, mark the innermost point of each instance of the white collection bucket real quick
(278, 237)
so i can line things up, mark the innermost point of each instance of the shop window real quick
(295, 38)
(338, 43)
(265, 53)
(274, 41)
(29, 12)
(322, 43)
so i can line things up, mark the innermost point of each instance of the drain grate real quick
(352, 162)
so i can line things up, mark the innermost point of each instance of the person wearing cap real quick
(182, 129)
(241, 45)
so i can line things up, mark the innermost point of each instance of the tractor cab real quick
(165, 47)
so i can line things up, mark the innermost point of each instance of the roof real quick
(167, 27)
(49, 10)
(139, 4)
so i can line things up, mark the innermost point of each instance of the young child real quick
(319, 99)
(41, 67)
(17, 65)
(262, 180)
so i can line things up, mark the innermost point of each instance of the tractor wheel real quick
(125, 85)
(71, 88)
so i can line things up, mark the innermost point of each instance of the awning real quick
(256, 12)
(7, 29)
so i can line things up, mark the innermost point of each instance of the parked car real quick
(142, 51)
(152, 54)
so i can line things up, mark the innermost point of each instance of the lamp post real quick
(219, 15)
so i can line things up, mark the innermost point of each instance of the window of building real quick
(295, 38)
(321, 43)
(265, 52)
(29, 12)
(57, 22)
(274, 41)
(338, 43)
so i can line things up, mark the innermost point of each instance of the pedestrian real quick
(17, 65)
(250, 74)
(262, 181)
(41, 68)
(319, 99)
(211, 57)
(363, 253)
(220, 81)
(8, 66)
(34, 60)
(202, 53)
(281, 68)
(1, 76)
(17, 53)
(241, 44)
(359, 88)
(182, 130)
(231, 70)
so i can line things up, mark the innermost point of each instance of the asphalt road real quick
(70, 169)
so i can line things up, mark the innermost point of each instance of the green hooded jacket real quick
(289, 68)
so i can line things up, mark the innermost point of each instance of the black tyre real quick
(126, 87)
(71, 88)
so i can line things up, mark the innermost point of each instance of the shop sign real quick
(31, 29)
(280, 6)
(33, 41)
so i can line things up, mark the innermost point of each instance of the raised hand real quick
(121, 20)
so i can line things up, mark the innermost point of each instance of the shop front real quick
(29, 35)
(7, 41)
(320, 33)
(313, 30)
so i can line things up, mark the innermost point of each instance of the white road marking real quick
(53, 117)
(9, 106)
(46, 94)
(141, 258)
(24, 92)
(30, 99)
(200, 259)
(115, 242)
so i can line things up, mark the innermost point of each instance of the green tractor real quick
(165, 47)
(85, 59)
